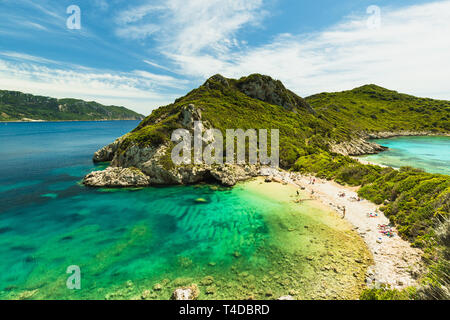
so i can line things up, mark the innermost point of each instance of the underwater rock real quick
(186, 293)
(206, 281)
(210, 290)
(145, 294)
(157, 287)
(27, 294)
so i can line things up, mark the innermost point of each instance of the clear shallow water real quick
(251, 240)
(431, 154)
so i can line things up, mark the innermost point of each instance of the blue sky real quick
(143, 54)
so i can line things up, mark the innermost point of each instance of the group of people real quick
(386, 230)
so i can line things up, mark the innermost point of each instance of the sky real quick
(143, 54)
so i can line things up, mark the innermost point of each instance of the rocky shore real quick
(392, 134)
(356, 147)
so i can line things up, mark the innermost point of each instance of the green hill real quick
(16, 106)
(254, 102)
(371, 108)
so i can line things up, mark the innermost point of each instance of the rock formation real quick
(143, 166)
(356, 147)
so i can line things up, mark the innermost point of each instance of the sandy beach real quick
(396, 263)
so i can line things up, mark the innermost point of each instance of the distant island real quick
(18, 106)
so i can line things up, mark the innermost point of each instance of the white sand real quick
(396, 263)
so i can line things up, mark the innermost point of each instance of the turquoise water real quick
(431, 154)
(238, 243)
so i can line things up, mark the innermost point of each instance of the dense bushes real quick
(414, 201)
(373, 108)
(438, 281)
(388, 294)
(344, 170)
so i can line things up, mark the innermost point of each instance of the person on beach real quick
(343, 211)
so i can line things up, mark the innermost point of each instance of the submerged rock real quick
(27, 294)
(157, 287)
(186, 293)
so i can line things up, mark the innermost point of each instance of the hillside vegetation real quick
(16, 105)
(371, 108)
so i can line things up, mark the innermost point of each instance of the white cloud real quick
(138, 32)
(138, 90)
(22, 56)
(162, 80)
(102, 4)
(156, 65)
(190, 26)
(409, 52)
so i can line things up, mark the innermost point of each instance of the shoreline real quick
(396, 134)
(396, 263)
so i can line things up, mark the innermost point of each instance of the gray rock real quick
(272, 91)
(186, 293)
(117, 177)
(356, 147)
(106, 153)
(189, 114)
